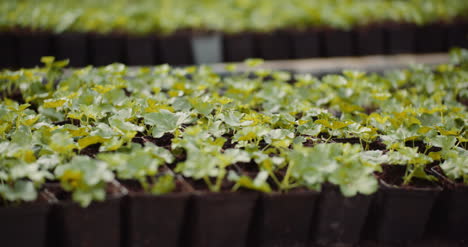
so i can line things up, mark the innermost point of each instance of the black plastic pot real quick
(431, 38)
(175, 49)
(274, 45)
(32, 46)
(457, 35)
(238, 47)
(283, 219)
(72, 46)
(154, 220)
(337, 43)
(8, 50)
(107, 49)
(24, 226)
(450, 216)
(340, 219)
(220, 219)
(400, 38)
(400, 214)
(370, 40)
(97, 225)
(305, 44)
(141, 50)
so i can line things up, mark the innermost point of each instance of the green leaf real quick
(445, 142)
(259, 183)
(234, 119)
(164, 185)
(456, 168)
(86, 178)
(164, 121)
(20, 191)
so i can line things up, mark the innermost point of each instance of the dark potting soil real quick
(75, 122)
(247, 167)
(463, 100)
(164, 141)
(393, 175)
(229, 143)
(377, 144)
(91, 150)
(422, 146)
(15, 95)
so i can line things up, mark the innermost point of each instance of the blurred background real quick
(182, 32)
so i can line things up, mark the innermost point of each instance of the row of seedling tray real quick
(200, 218)
(22, 48)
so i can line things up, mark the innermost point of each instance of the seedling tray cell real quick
(432, 38)
(450, 217)
(306, 44)
(95, 226)
(107, 49)
(238, 47)
(458, 35)
(284, 219)
(175, 49)
(400, 39)
(338, 43)
(400, 214)
(32, 46)
(152, 220)
(370, 40)
(274, 46)
(219, 219)
(141, 50)
(340, 219)
(8, 49)
(24, 226)
(72, 46)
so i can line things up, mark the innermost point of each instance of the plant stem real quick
(219, 180)
(208, 182)
(285, 182)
